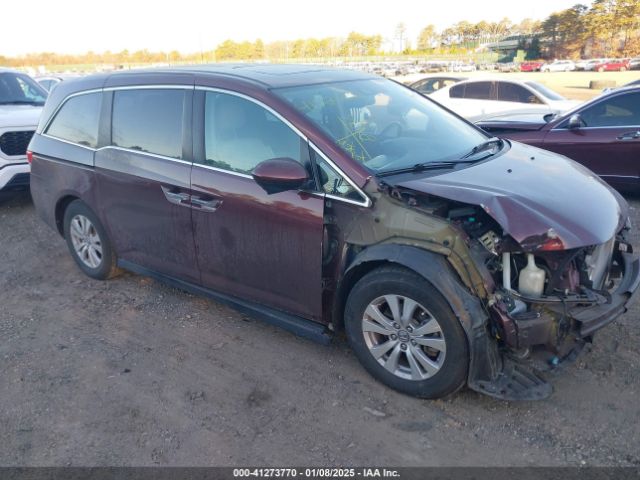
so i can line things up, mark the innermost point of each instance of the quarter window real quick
(149, 120)
(619, 111)
(332, 183)
(77, 120)
(239, 134)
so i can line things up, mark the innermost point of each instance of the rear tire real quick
(405, 334)
(88, 242)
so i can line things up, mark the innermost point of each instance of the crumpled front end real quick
(579, 291)
(548, 239)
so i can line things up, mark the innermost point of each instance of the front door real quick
(260, 247)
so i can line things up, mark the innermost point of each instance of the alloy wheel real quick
(404, 337)
(86, 241)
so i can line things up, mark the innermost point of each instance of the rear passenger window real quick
(510, 92)
(148, 121)
(457, 91)
(77, 120)
(479, 91)
(240, 134)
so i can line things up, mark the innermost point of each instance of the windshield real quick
(18, 89)
(383, 125)
(547, 92)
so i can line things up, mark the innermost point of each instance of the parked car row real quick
(603, 134)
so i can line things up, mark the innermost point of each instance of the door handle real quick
(175, 196)
(207, 204)
(629, 136)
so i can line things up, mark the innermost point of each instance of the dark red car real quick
(615, 65)
(531, 66)
(602, 134)
(324, 201)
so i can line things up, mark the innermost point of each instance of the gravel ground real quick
(131, 372)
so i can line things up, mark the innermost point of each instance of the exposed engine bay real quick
(544, 301)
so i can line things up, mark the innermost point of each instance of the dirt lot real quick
(130, 372)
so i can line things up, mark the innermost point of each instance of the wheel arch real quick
(485, 361)
(60, 208)
(433, 267)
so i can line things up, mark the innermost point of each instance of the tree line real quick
(605, 28)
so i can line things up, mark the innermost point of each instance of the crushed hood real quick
(529, 191)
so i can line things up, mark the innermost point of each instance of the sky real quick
(72, 26)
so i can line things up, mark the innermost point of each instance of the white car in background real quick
(481, 99)
(558, 66)
(589, 65)
(21, 101)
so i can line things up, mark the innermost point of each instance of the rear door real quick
(144, 176)
(609, 141)
(474, 100)
(260, 247)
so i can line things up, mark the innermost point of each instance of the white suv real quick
(21, 101)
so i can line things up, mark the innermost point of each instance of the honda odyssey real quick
(324, 201)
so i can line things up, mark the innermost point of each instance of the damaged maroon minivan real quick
(324, 200)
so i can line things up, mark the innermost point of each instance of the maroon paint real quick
(505, 187)
(266, 248)
(598, 148)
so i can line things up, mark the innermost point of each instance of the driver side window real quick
(239, 134)
(621, 110)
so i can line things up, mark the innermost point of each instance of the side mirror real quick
(279, 175)
(575, 122)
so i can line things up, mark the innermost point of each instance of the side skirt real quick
(292, 323)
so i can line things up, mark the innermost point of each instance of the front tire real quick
(405, 334)
(88, 242)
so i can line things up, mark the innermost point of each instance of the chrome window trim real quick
(636, 127)
(366, 203)
(259, 103)
(222, 170)
(62, 104)
(148, 87)
(143, 152)
(68, 142)
(105, 89)
(618, 176)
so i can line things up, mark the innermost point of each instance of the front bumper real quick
(595, 317)
(14, 176)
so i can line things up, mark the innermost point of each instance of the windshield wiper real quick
(421, 167)
(485, 146)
